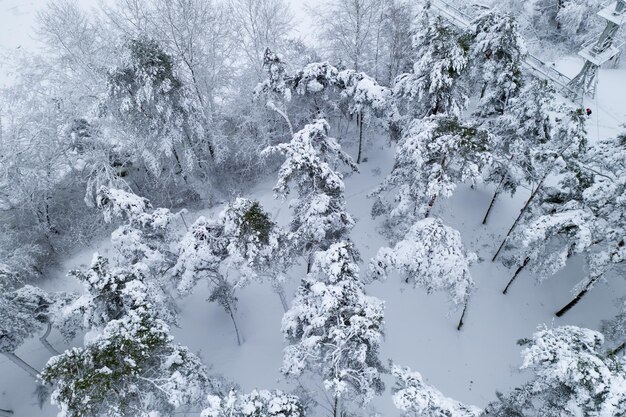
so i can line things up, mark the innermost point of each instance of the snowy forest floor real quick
(469, 365)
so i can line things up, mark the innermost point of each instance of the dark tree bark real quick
(430, 206)
(578, 297)
(359, 122)
(44, 341)
(618, 349)
(519, 217)
(283, 300)
(517, 272)
(235, 324)
(493, 200)
(19, 362)
(461, 323)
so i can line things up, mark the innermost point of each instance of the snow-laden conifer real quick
(27, 312)
(555, 157)
(258, 249)
(161, 121)
(435, 85)
(145, 235)
(519, 133)
(111, 292)
(571, 376)
(430, 256)
(201, 253)
(368, 101)
(434, 156)
(130, 368)
(415, 398)
(128, 365)
(497, 54)
(334, 329)
(320, 217)
(261, 403)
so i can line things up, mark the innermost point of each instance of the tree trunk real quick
(359, 122)
(618, 349)
(19, 362)
(179, 165)
(578, 297)
(431, 204)
(309, 263)
(184, 221)
(283, 300)
(461, 323)
(519, 217)
(6, 413)
(234, 319)
(336, 408)
(517, 272)
(44, 341)
(433, 199)
(493, 200)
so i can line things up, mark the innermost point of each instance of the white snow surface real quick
(420, 332)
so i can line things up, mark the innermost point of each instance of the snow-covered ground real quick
(420, 330)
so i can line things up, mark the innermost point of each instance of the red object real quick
(588, 111)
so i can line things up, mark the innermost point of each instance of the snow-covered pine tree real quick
(326, 90)
(296, 96)
(261, 403)
(146, 235)
(26, 312)
(603, 184)
(201, 253)
(510, 404)
(157, 115)
(497, 53)
(582, 215)
(567, 144)
(119, 204)
(431, 256)
(572, 377)
(275, 87)
(518, 133)
(434, 156)
(320, 217)
(435, 85)
(129, 365)
(315, 79)
(314, 92)
(110, 293)
(368, 100)
(557, 226)
(258, 249)
(563, 230)
(334, 329)
(275, 90)
(130, 368)
(415, 398)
